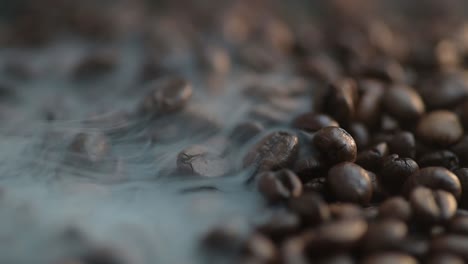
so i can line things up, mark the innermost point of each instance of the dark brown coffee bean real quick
(386, 70)
(317, 185)
(312, 122)
(293, 249)
(274, 151)
(337, 236)
(335, 144)
(397, 208)
(309, 168)
(340, 102)
(279, 185)
(280, 225)
(445, 258)
(435, 178)
(458, 225)
(384, 235)
(168, 96)
(441, 158)
(403, 102)
(349, 182)
(403, 144)
(431, 207)
(461, 150)
(360, 135)
(246, 131)
(311, 208)
(372, 159)
(451, 244)
(95, 65)
(389, 258)
(341, 211)
(368, 109)
(322, 67)
(395, 172)
(259, 248)
(199, 160)
(441, 128)
(225, 239)
(445, 91)
(462, 175)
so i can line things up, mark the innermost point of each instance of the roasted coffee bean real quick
(458, 225)
(340, 102)
(389, 258)
(335, 144)
(440, 128)
(445, 258)
(441, 158)
(341, 211)
(461, 150)
(246, 131)
(312, 122)
(311, 208)
(369, 107)
(317, 185)
(462, 175)
(309, 168)
(397, 208)
(349, 182)
(293, 249)
(167, 96)
(432, 207)
(403, 144)
(435, 178)
(280, 225)
(451, 244)
(279, 185)
(395, 172)
(446, 90)
(386, 70)
(372, 159)
(199, 160)
(383, 235)
(225, 239)
(322, 67)
(403, 102)
(274, 151)
(360, 135)
(259, 248)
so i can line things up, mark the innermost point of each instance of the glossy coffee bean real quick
(395, 172)
(395, 208)
(199, 160)
(440, 128)
(384, 235)
(462, 175)
(311, 208)
(431, 207)
(445, 258)
(335, 144)
(372, 159)
(275, 186)
(349, 182)
(167, 96)
(451, 244)
(441, 158)
(312, 122)
(403, 102)
(274, 151)
(389, 258)
(435, 178)
(340, 101)
(403, 144)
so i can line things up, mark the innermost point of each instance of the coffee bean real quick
(368, 109)
(274, 151)
(386, 70)
(167, 96)
(309, 168)
(312, 122)
(397, 208)
(462, 175)
(311, 208)
(360, 134)
(441, 158)
(199, 160)
(245, 131)
(372, 159)
(384, 235)
(335, 144)
(441, 128)
(349, 182)
(446, 90)
(342, 211)
(445, 258)
(458, 225)
(317, 185)
(435, 178)
(280, 225)
(395, 172)
(451, 244)
(403, 144)
(224, 239)
(414, 245)
(462, 112)
(279, 185)
(403, 102)
(431, 207)
(322, 67)
(259, 248)
(461, 150)
(389, 258)
(340, 101)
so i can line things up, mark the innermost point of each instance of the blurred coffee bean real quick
(311, 122)
(442, 158)
(335, 144)
(322, 67)
(280, 225)
(446, 90)
(395, 172)
(340, 101)
(458, 225)
(435, 178)
(372, 159)
(349, 182)
(245, 131)
(388, 125)
(389, 258)
(95, 65)
(224, 239)
(360, 134)
(274, 151)
(432, 207)
(461, 150)
(441, 128)
(317, 185)
(403, 144)
(403, 102)
(199, 160)
(279, 185)
(462, 175)
(311, 208)
(451, 244)
(167, 96)
(384, 69)
(309, 168)
(369, 107)
(396, 208)
(462, 112)
(384, 235)
(259, 248)
(445, 258)
(341, 211)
